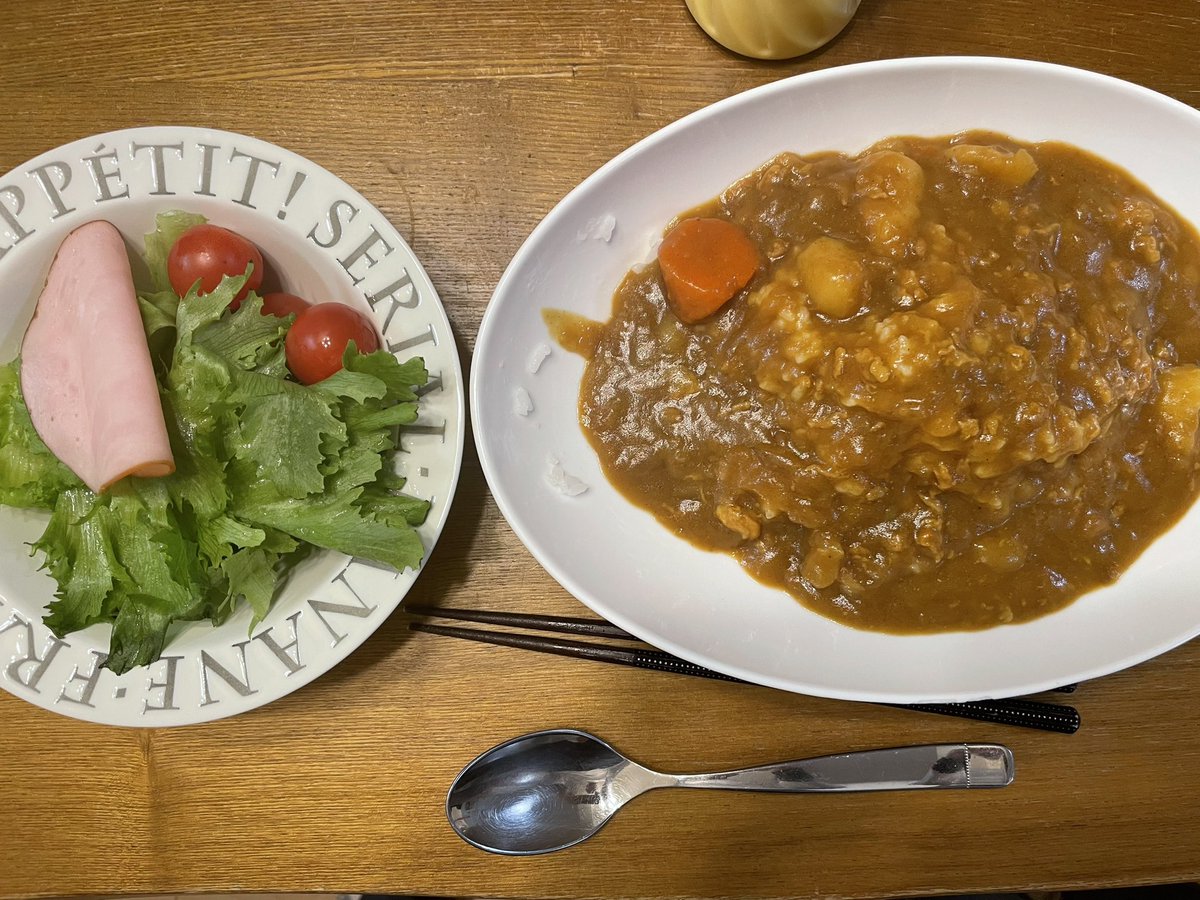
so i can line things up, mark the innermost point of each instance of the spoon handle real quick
(899, 769)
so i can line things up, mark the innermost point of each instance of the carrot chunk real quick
(704, 263)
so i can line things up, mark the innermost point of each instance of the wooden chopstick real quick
(1018, 712)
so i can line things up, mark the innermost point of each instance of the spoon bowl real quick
(542, 792)
(549, 790)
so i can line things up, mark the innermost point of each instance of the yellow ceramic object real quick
(772, 29)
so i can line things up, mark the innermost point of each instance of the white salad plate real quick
(326, 242)
(618, 560)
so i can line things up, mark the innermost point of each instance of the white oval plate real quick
(619, 561)
(325, 241)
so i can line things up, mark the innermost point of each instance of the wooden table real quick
(465, 122)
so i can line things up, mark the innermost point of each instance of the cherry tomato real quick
(207, 253)
(280, 304)
(318, 338)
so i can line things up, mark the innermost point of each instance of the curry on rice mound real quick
(958, 389)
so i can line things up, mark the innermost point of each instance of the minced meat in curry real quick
(960, 389)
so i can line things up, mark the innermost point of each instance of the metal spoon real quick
(551, 789)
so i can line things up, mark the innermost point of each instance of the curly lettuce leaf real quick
(31, 476)
(338, 522)
(168, 226)
(119, 558)
(283, 432)
(246, 337)
(360, 511)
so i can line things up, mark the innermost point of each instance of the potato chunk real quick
(833, 276)
(888, 188)
(823, 562)
(738, 521)
(1011, 169)
(1178, 407)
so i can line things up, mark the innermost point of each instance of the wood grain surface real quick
(464, 121)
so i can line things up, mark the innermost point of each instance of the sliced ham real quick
(85, 367)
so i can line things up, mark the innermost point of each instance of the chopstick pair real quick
(1019, 712)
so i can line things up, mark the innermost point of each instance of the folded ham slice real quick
(85, 368)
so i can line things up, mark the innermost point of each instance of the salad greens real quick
(266, 469)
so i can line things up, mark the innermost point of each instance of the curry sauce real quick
(961, 389)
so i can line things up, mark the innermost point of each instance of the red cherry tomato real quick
(207, 253)
(318, 338)
(280, 304)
